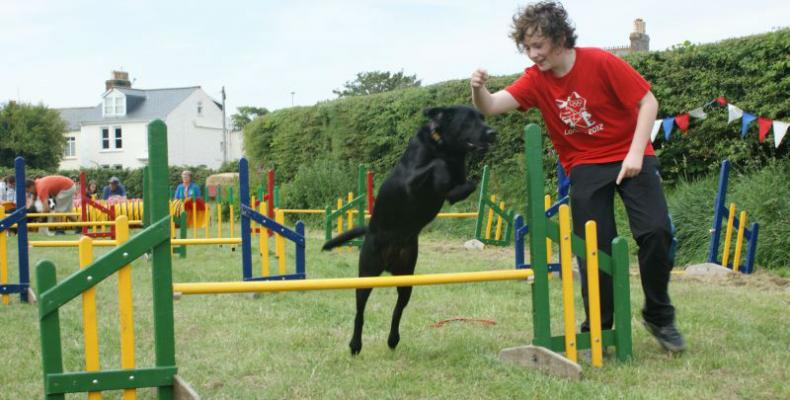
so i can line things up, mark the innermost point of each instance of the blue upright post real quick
(300, 250)
(520, 232)
(752, 250)
(244, 192)
(21, 228)
(718, 209)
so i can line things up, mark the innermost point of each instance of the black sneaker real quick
(667, 336)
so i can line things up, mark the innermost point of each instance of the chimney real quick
(119, 79)
(640, 41)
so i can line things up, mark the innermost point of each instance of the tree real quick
(377, 82)
(33, 132)
(245, 115)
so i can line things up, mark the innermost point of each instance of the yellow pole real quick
(3, 257)
(566, 258)
(280, 243)
(89, 328)
(350, 283)
(725, 256)
(739, 242)
(252, 221)
(232, 230)
(498, 235)
(125, 307)
(593, 293)
(263, 243)
(339, 219)
(490, 218)
(549, 253)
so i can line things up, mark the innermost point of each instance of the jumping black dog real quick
(431, 171)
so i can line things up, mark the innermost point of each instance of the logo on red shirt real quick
(573, 112)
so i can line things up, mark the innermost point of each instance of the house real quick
(113, 134)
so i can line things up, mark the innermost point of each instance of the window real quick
(105, 138)
(118, 138)
(120, 105)
(117, 166)
(200, 108)
(71, 147)
(115, 105)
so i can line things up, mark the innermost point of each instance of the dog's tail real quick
(344, 237)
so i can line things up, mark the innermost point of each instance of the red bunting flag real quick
(682, 121)
(721, 100)
(765, 126)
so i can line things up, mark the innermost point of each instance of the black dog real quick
(429, 172)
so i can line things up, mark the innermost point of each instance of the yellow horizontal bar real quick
(71, 243)
(300, 211)
(178, 242)
(75, 224)
(457, 215)
(54, 214)
(350, 283)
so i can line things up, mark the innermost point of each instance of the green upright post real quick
(162, 271)
(51, 352)
(481, 202)
(536, 220)
(622, 298)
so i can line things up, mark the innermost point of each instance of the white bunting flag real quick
(780, 128)
(733, 113)
(654, 132)
(698, 113)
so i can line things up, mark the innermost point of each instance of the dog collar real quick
(435, 136)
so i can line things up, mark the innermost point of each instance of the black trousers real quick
(592, 198)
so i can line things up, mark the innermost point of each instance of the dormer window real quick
(114, 104)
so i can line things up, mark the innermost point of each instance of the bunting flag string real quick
(734, 113)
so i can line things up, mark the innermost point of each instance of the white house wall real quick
(194, 139)
(133, 154)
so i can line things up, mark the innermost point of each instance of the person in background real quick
(187, 188)
(113, 188)
(59, 187)
(92, 191)
(8, 190)
(599, 113)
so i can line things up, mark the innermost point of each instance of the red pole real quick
(371, 199)
(83, 202)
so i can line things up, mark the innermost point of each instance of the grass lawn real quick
(295, 345)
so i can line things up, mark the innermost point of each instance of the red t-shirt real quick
(52, 185)
(591, 111)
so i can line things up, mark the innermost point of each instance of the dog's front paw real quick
(356, 346)
(393, 340)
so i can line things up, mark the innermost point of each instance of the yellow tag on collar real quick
(435, 136)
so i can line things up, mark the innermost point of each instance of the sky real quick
(276, 54)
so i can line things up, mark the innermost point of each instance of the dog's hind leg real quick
(369, 265)
(406, 263)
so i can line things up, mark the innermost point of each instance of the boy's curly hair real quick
(547, 18)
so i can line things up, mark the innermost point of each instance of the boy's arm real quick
(632, 164)
(485, 101)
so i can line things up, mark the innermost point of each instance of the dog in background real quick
(431, 170)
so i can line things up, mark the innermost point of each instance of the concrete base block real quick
(543, 359)
(183, 391)
(706, 269)
(31, 296)
(474, 244)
